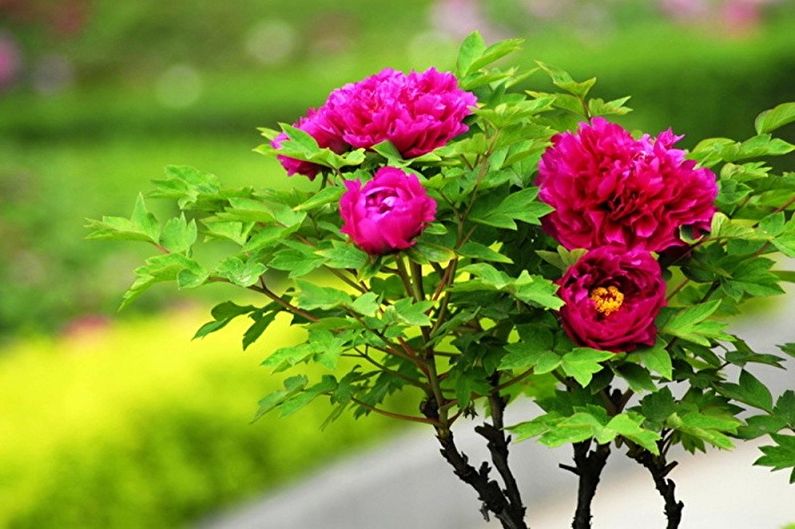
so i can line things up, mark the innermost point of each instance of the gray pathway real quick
(405, 484)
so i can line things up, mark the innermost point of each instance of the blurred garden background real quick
(118, 420)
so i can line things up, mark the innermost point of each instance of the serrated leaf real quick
(243, 274)
(312, 296)
(178, 235)
(521, 205)
(536, 290)
(166, 267)
(367, 304)
(531, 352)
(779, 456)
(141, 226)
(657, 359)
(412, 313)
(658, 406)
(292, 386)
(581, 363)
(749, 391)
(691, 324)
(298, 263)
(563, 80)
(342, 255)
(628, 425)
(235, 231)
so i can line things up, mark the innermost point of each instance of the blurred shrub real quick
(84, 152)
(134, 426)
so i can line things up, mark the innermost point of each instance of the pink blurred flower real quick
(608, 188)
(417, 112)
(10, 60)
(612, 297)
(388, 213)
(317, 125)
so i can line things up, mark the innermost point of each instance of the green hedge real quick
(135, 426)
(85, 153)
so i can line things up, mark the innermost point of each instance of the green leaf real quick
(581, 363)
(658, 406)
(426, 253)
(141, 226)
(785, 239)
(343, 255)
(578, 427)
(725, 228)
(248, 210)
(779, 456)
(168, 267)
(222, 314)
(776, 117)
(288, 356)
(297, 262)
(749, 391)
(638, 378)
(185, 185)
(475, 250)
(537, 290)
(709, 428)
(628, 425)
(563, 80)
(327, 195)
(521, 205)
(785, 408)
(236, 232)
(243, 274)
(292, 386)
(488, 275)
(412, 313)
(599, 107)
(303, 398)
(470, 51)
(535, 427)
(312, 296)
(657, 359)
(691, 324)
(265, 237)
(495, 52)
(788, 348)
(366, 304)
(534, 350)
(262, 319)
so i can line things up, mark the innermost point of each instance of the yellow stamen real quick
(607, 300)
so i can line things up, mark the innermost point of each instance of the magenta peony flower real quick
(608, 188)
(417, 112)
(387, 213)
(317, 125)
(612, 297)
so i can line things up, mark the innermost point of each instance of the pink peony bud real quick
(609, 188)
(388, 213)
(612, 297)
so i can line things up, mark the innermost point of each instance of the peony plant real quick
(469, 244)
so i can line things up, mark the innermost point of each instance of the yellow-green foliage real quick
(136, 426)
